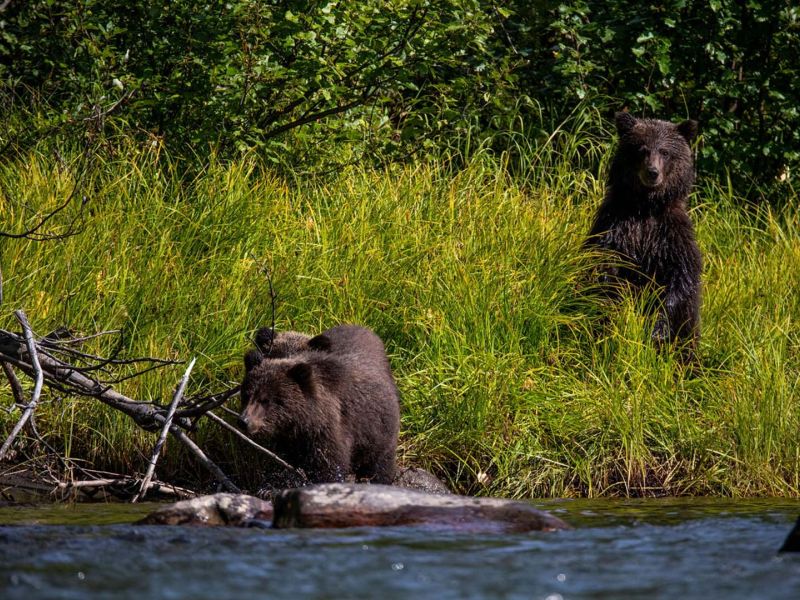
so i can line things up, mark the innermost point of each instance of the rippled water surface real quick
(618, 549)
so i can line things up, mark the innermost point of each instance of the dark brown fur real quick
(643, 220)
(331, 409)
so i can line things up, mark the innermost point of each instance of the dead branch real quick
(272, 297)
(13, 381)
(201, 406)
(126, 482)
(72, 379)
(164, 432)
(37, 389)
(204, 460)
(259, 447)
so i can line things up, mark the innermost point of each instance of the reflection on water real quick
(618, 549)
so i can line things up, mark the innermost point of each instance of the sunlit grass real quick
(514, 380)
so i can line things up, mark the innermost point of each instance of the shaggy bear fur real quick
(331, 407)
(280, 345)
(643, 220)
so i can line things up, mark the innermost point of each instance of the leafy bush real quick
(244, 73)
(304, 80)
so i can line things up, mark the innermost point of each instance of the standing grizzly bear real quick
(329, 407)
(643, 220)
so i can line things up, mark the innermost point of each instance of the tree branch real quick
(37, 389)
(164, 432)
(242, 436)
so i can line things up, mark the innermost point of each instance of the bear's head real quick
(284, 396)
(656, 155)
(280, 344)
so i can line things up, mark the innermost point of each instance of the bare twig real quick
(164, 432)
(71, 341)
(206, 462)
(272, 296)
(37, 388)
(242, 436)
(125, 481)
(201, 406)
(16, 386)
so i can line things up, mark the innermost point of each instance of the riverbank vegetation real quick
(429, 170)
(515, 379)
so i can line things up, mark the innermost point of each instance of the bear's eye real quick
(664, 152)
(642, 150)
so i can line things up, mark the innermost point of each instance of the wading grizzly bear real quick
(329, 406)
(643, 221)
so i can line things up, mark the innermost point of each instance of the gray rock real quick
(360, 505)
(236, 510)
(416, 478)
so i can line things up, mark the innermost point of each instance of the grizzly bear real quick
(330, 407)
(281, 344)
(644, 223)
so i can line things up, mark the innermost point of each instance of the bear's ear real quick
(303, 374)
(688, 129)
(252, 359)
(264, 339)
(322, 343)
(624, 122)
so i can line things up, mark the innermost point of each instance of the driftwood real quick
(53, 361)
(359, 505)
(26, 486)
(337, 505)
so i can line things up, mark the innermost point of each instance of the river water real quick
(675, 548)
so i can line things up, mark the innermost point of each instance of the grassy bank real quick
(511, 382)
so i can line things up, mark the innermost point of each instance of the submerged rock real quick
(792, 542)
(236, 510)
(358, 505)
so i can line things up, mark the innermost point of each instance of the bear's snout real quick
(248, 423)
(650, 175)
(243, 422)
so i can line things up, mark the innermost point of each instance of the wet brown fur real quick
(328, 404)
(643, 221)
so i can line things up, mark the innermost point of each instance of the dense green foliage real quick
(310, 82)
(243, 73)
(513, 380)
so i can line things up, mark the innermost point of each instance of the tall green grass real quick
(514, 381)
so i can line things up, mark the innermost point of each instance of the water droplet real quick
(364, 547)
(554, 597)
(561, 577)
(81, 575)
(398, 566)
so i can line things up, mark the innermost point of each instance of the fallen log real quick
(340, 505)
(363, 505)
